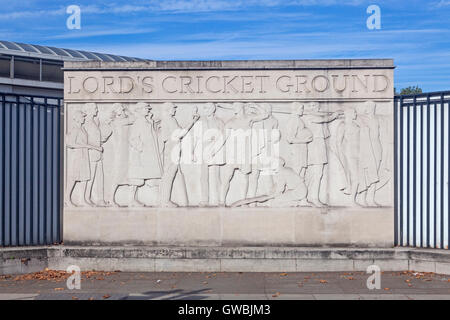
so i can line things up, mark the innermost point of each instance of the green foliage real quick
(409, 91)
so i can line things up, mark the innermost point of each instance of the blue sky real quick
(415, 33)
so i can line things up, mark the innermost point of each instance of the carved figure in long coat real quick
(115, 133)
(145, 162)
(78, 167)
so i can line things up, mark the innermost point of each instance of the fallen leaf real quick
(58, 289)
(277, 294)
(57, 275)
(106, 296)
(386, 289)
(323, 281)
(284, 274)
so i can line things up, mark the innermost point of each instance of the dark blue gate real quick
(31, 166)
(422, 145)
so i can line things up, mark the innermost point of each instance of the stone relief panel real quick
(233, 154)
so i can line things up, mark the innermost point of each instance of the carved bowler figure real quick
(78, 156)
(171, 134)
(95, 187)
(238, 145)
(317, 122)
(145, 162)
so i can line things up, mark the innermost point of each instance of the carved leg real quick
(183, 191)
(371, 192)
(167, 183)
(362, 202)
(253, 183)
(69, 191)
(204, 179)
(114, 203)
(90, 184)
(314, 178)
(100, 184)
(227, 176)
(109, 189)
(215, 185)
(84, 185)
(245, 186)
(354, 192)
(135, 202)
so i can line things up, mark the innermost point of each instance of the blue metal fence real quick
(30, 175)
(31, 170)
(422, 143)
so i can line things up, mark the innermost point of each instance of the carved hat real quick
(140, 106)
(90, 108)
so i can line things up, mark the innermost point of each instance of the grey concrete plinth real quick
(230, 227)
(222, 259)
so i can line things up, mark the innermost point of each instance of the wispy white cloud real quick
(185, 6)
(442, 3)
(247, 29)
(31, 14)
(257, 49)
(75, 34)
(221, 5)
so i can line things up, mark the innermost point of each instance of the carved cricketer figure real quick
(171, 134)
(317, 123)
(238, 145)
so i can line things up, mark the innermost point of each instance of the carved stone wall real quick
(157, 138)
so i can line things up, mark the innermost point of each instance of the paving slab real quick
(231, 286)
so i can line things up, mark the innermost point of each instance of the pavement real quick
(50, 285)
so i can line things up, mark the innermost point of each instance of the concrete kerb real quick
(221, 259)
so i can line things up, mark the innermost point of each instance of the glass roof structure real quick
(38, 51)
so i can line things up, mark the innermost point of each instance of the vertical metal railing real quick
(30, 166)
(422, 144)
